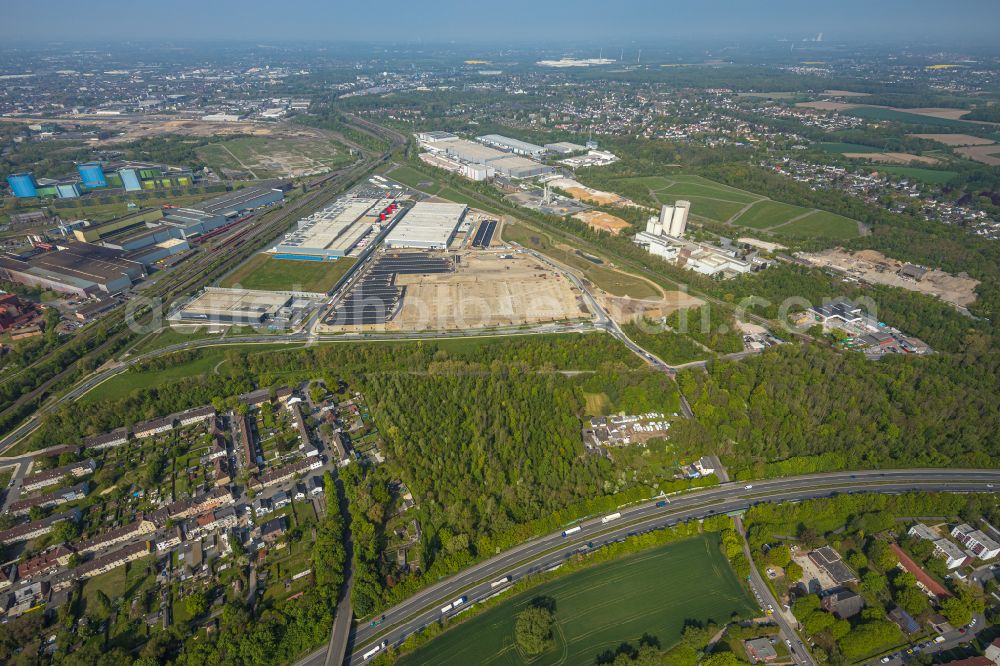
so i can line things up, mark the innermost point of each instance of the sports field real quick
(266, 273)
(597, 609)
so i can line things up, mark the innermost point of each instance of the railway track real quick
(208, 264)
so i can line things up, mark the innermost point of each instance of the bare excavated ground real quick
(876, 268)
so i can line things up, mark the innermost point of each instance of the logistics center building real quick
(336, 230)
(428, 226)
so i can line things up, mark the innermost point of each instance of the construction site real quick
(455, 291)
(875, 268)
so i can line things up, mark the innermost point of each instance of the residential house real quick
(107, 440)
(45, 562)
(316, 486)
(36, 528)
(977, 541)
(141, 526)
(844, 604)
(273, 529)
(154, 427)
(170, 539)
(288, 472)
(904, 620)
(8, 576)
(62, 496)
(55, 476)
(204, 414)
(760, 650)
(280, 500)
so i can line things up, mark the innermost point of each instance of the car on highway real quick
(788, 642)
(748, 486)
(884, 660)
(377, 621)
(661, 504)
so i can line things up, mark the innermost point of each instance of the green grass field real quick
(819, 224)
(123, 384)
(597, 609)
(265, 272)
(932, 176)
(837, 147)
(768, 214)
(611, 281)
(273, 157)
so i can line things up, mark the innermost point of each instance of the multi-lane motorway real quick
(543, 552)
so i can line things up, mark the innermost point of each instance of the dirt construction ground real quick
(487, 290)
(876, 268)
(624, 310)
(150, 126)
(601, 221)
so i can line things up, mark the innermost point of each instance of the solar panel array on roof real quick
(484, 235)
(376, 299)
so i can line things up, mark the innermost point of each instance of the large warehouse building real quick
(234, 306)
(515, 146)
(428, 226)
(83, 269)
(334, 231)
(506, 164)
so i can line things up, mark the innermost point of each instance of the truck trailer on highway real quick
(374, 651)
(611, 516)
(572, 530)
(502, 581)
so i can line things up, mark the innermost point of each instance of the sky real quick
(496, 22)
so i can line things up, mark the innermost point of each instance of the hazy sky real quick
(469, 21)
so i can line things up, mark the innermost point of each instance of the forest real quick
(817, 405)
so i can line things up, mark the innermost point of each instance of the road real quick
(543, 552)
(767, 601)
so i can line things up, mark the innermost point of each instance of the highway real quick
(543, 552)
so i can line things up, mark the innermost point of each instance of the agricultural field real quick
(837, 147)
(932, 176)
(264, 272)
(654, 592)
(291, 156)
(894, 115)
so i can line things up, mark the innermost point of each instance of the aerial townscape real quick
(645, 333)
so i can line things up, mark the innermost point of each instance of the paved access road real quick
(543, 552)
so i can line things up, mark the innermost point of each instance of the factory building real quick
(564, 148)
(336, 230)
(434, 137)
(191, 222)
(92, 175)
(22, 185)
(429, 226)
(97, 232)
(470, 151)
(510, 145)
(233, 203)
(513, 166)
(672, 220)
(77, 268)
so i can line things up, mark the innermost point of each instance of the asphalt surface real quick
(541, 553)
